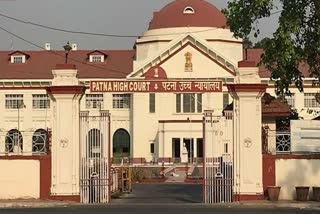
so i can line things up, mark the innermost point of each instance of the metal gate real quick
(218, 160)
(95, 162)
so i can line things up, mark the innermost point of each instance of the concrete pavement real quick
(161, 195)
(159, 209)
(20, 204)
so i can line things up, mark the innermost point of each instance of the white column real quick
(65, 94)
(247, 93)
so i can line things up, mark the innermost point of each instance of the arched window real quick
(188, 10)
(14, 141)
(94, 143)
(39, 141)
(121, 143)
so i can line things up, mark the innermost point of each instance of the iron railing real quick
(283, 142)
(14, 142)
(281, 138)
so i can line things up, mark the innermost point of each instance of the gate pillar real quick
(65, 94)
(247, 93)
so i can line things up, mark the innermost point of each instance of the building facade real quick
(187, 42)
(185, 93)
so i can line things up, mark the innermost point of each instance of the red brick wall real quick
(269, 171)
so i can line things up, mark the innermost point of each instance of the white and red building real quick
(185, 64)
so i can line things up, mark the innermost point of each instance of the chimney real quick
(74, 47)
(47, 46)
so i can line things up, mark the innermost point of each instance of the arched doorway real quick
(39, 141)
(94, 143)
(14, 141)
(121, 144)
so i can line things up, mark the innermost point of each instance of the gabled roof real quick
(176, 46)
(97, 51)
(41, 63)
(255, 55)
(17, 53)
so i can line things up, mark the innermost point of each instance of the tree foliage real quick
(296, 40)
(262, 43)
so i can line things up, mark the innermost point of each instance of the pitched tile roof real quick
(271, 107)
(40, 64)
(255, 55)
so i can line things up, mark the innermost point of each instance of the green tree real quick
(262, 43)
(296, 40)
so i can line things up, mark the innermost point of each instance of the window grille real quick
(97, 59)
(39, 142)
(14, 101)
(13, 142)
(189, 102)
(121, 101)
(283, 141)
(310, 100)
(40, 101)
(94, 101)
(17, 59)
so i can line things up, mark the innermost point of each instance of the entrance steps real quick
(191, 169)
(177, 176)
(167, 170)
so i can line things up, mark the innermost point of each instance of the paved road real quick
(164, 199)
(162, 194)
(156, 209)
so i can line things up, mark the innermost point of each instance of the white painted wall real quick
(19, 179)
(305, 136)
(232, 51)
(294, 172)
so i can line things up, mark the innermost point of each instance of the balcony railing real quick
(283, 142)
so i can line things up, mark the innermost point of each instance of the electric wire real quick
(96, 34)
(60, 55)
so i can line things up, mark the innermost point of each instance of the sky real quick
(124, 17)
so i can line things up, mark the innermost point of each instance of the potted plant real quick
(302, 193)
(273, 192)
(316, 193)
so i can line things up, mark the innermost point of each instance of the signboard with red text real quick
(155, 86)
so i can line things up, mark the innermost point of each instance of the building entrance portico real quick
(186, 150)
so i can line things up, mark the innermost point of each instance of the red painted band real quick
(75, 198)
(66, 89)
(247, 88)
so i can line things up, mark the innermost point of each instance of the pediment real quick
(206, 63)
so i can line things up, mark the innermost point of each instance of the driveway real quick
(163, 193)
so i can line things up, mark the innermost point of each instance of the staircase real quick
(176, 176)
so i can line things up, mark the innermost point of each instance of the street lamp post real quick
(67, 48)
(17, 138)
(20, 105)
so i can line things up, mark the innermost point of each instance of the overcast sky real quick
(125, 17)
